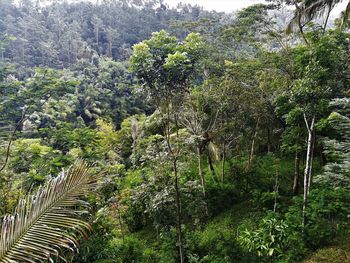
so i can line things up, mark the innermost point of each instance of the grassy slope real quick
(337, 253)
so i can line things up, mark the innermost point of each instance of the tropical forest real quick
(160, 131)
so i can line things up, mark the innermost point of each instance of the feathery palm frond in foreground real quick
(49, 220)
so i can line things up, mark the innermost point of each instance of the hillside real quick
(131, 131)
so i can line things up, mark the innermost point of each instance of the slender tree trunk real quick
(120, 221)
(302, 31)
(300, 26)
(308, 165)
(251, 153)
(200, 169)
(326, 21)
(223, 163)
(211, 166)
(178, 214)
(311, 160)
(110, 49)
(268, 140)
(276, 189)
(97, 37)
(296, 173)
(252, 147)
(175, 153)
(22, 51)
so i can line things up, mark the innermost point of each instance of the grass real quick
(338, 252)
(330, 255)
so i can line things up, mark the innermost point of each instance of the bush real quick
(218, 241)
(326, 214)
(129, 250)
(268, 240)
(221, 197)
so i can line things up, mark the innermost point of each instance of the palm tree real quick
(321, 8)
(307, 10)
(49, 220)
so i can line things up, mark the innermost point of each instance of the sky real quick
(218, 5)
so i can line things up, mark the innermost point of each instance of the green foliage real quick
(153, 201)
(221, 197)
(60, 35)
(217, 241)
(337, 170)
(251, 27)
(268, 240)
(193, 133)
(164, 64)
(127, 250)
(326, 216)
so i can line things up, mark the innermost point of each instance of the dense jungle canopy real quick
(134, 131)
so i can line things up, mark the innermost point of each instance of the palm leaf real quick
(310, 9)
(318, 8)
(49, 220)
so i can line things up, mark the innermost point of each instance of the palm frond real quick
(311, 9)
(318, 8)
(49, 220)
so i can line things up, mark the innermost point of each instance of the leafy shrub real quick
(326, 214)
(221, 197)
(268, 240)
(264, 199)
(127, 251)
(217, 242)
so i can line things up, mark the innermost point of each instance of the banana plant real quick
(49, 221)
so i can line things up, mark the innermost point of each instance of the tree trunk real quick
(97, 37)
(120, 221)
(252, 147)
(311, 160)
(211, 166)
(175, 154)
(276, 189)
(308, 165)
(23, 51)
(300, 26)
(268, 140)
(110, 49)
(326, 21)
(200, 170)
(223, 163)
(296, 173)
(178, 214)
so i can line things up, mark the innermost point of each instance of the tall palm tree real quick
(307, 10)
(49, 220)
(321, 8)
